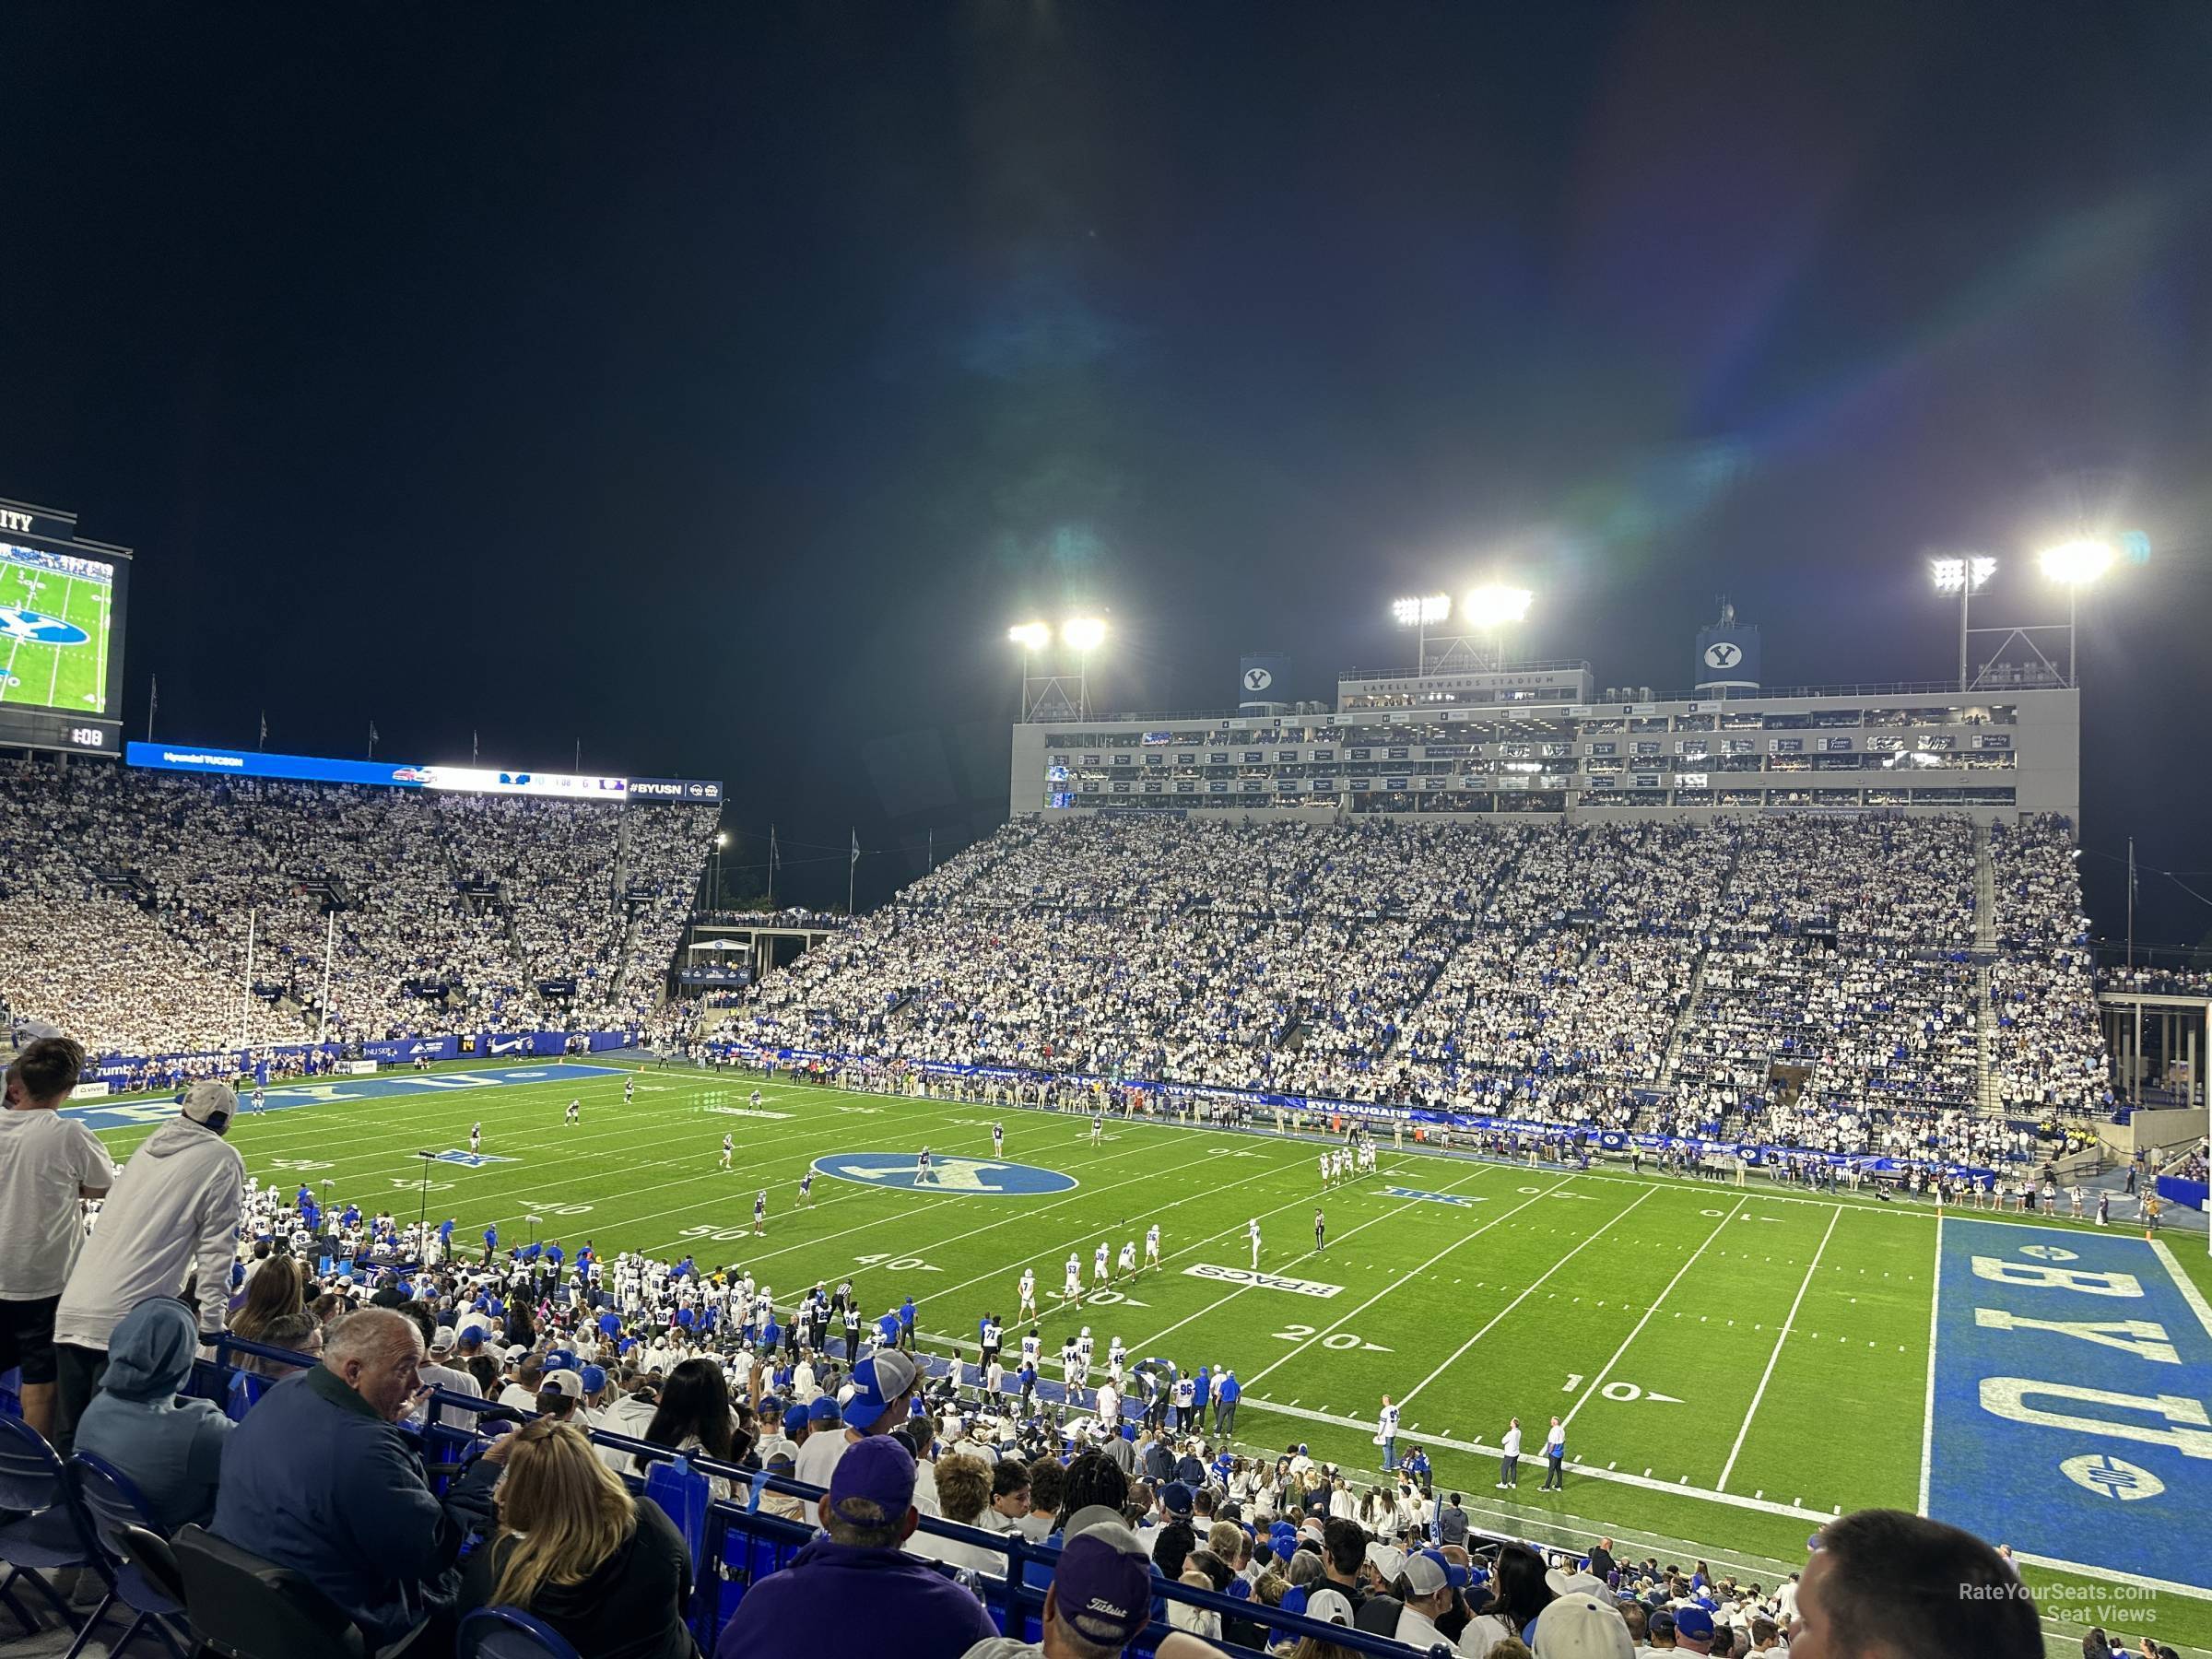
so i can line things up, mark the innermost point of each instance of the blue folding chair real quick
(113, 1503)
(50, 1532)
(511, 1633)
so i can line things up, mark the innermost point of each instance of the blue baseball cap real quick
(823, 1410)
(595, 1378)
(796, 1418)
(1694, 1623)
(877, 1380)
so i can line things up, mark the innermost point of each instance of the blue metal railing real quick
(744, 1544)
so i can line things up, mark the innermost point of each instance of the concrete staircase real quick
(1985, 942)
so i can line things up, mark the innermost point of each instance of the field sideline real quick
(1733, 1364)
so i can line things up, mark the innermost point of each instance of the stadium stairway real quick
(1985, 939)
(1985, 891)
(1672, 1054)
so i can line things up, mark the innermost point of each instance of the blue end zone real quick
(347, 1089)
(2073, 1400)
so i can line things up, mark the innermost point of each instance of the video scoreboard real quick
(62, 603)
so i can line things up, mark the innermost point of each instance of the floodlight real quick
(1083, 633)
(1495, 605)
(2076, 563)
(1030, 636)
(721, 838)
(1422, 611)
(1953, 575)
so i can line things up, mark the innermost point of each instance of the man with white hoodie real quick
(174, 1209)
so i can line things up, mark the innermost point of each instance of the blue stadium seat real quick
(114, 1504)
(50, 1531)
(510, 1633)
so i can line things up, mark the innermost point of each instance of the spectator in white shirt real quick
(172, 1214)
(49, 1166)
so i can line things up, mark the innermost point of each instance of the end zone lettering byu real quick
(2070, 1399)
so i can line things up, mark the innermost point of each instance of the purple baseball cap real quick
(878, 1470)
(1103, 1585)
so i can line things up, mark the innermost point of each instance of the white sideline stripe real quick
(1221, 1301)
(1767, 1376)
(1598, 1382)
(2184, 1284)
(1927, 1406)
(1408, 1277)
(1765, 1506)
(1517, 1300)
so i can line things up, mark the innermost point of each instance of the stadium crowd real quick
(454, 912)
(595, 1371)
(1744, 977)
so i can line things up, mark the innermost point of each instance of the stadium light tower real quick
(1491, 609)
(1420, 612)
(2073, 565)
(1083, 635)
(1033, 637)
(1961, 576)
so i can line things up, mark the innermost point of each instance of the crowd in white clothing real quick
(450, 908)
(1738, 975)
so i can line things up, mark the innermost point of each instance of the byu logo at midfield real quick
(1723, 654)
(29, 627)
(945, 1175)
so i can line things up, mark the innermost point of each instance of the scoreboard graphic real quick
(61, 633)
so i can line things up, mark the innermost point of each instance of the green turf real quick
(1588, 1295)
(70, 677)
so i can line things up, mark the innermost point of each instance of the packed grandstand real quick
(1846, 984)
(454, 912)
(1841, 983)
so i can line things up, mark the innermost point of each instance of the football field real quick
(1733, 1364)
(53, 638)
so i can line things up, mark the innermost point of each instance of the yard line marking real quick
(1221, 1301)
(1405, 1278)
(54, 677)
(923, 1244)
(1517, 1300)
(1766, 1376)
(1062, 1306)
(1927, 1409)
(1598, 1382)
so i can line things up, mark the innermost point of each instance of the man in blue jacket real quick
(318, 1478)
(859, 1578)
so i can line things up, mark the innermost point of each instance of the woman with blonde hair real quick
(573, 1548)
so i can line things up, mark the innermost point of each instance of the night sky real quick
(712, 385)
